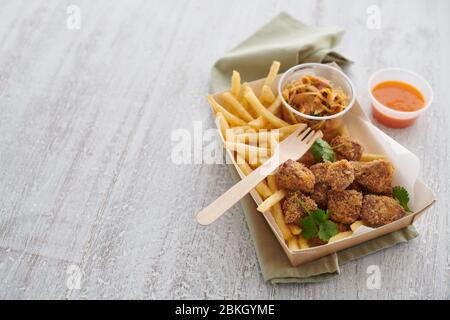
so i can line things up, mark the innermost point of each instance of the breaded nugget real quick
(294, 206)
(380, 210)
(357, 167)
(320, 171)
(340, 175)
(345, 206)
(293, 175)
(347, 148)
(320, 195)
(357, 187)
(376, 176)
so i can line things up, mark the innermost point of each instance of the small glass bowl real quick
(394, 118)
(334, 75)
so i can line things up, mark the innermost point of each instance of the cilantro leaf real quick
(327, 229)
(317, 223)
(402, 196)
(309, 228)
(322, 151)
(319, 215)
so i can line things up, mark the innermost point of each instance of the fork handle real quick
(212, 212)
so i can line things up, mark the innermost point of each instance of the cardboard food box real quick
(406, 166)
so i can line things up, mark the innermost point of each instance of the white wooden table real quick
(86, 181)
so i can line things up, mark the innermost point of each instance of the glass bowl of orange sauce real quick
(398, 96)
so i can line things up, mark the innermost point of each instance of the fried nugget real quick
(376, 176)
(357, 187)
(347, 148)
(357, 167)
(345, 206)
(293, 175)
(294, 206)
(320, 195)
(340, 175)
(380, 210)
(320, 171)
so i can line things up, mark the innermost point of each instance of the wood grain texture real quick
(85, 170)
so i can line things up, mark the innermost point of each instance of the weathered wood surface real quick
(85, 170)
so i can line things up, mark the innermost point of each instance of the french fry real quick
(274, 68)
(237, 106)
(260, 122)
(261, 136)
(262, 111)
(266, 95)
(264, 139)
(340, 236)
(241, 97)
(276, 197)
(230, 136)
(367, 157)
(241, 129)
(277, 214)
(295, 229)
(293, 243)
(244, 101)
(255, 156)
(302, 242)
(355, 225)
(258, 162)
(235, 84)
(247, 107)
(291, 128)
(261, 188)
(247, 150)
(272, 183)
(274, 139)
(223, 124)
(231, 118)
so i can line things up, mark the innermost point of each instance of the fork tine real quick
(297, 131)
(317, 135)
(304, 133)
(309, 136)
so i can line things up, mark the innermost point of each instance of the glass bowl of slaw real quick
(335, 78)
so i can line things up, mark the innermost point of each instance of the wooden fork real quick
(293, 147)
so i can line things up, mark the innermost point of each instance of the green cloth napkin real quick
(284, 39)
(290, 42)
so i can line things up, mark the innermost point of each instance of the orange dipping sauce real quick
(400, 96)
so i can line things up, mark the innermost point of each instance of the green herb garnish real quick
(402, 196)
(309, 227)
(322, 151)
(328, 229)
(317, 223)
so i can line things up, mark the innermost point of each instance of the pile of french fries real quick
(252, 124)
